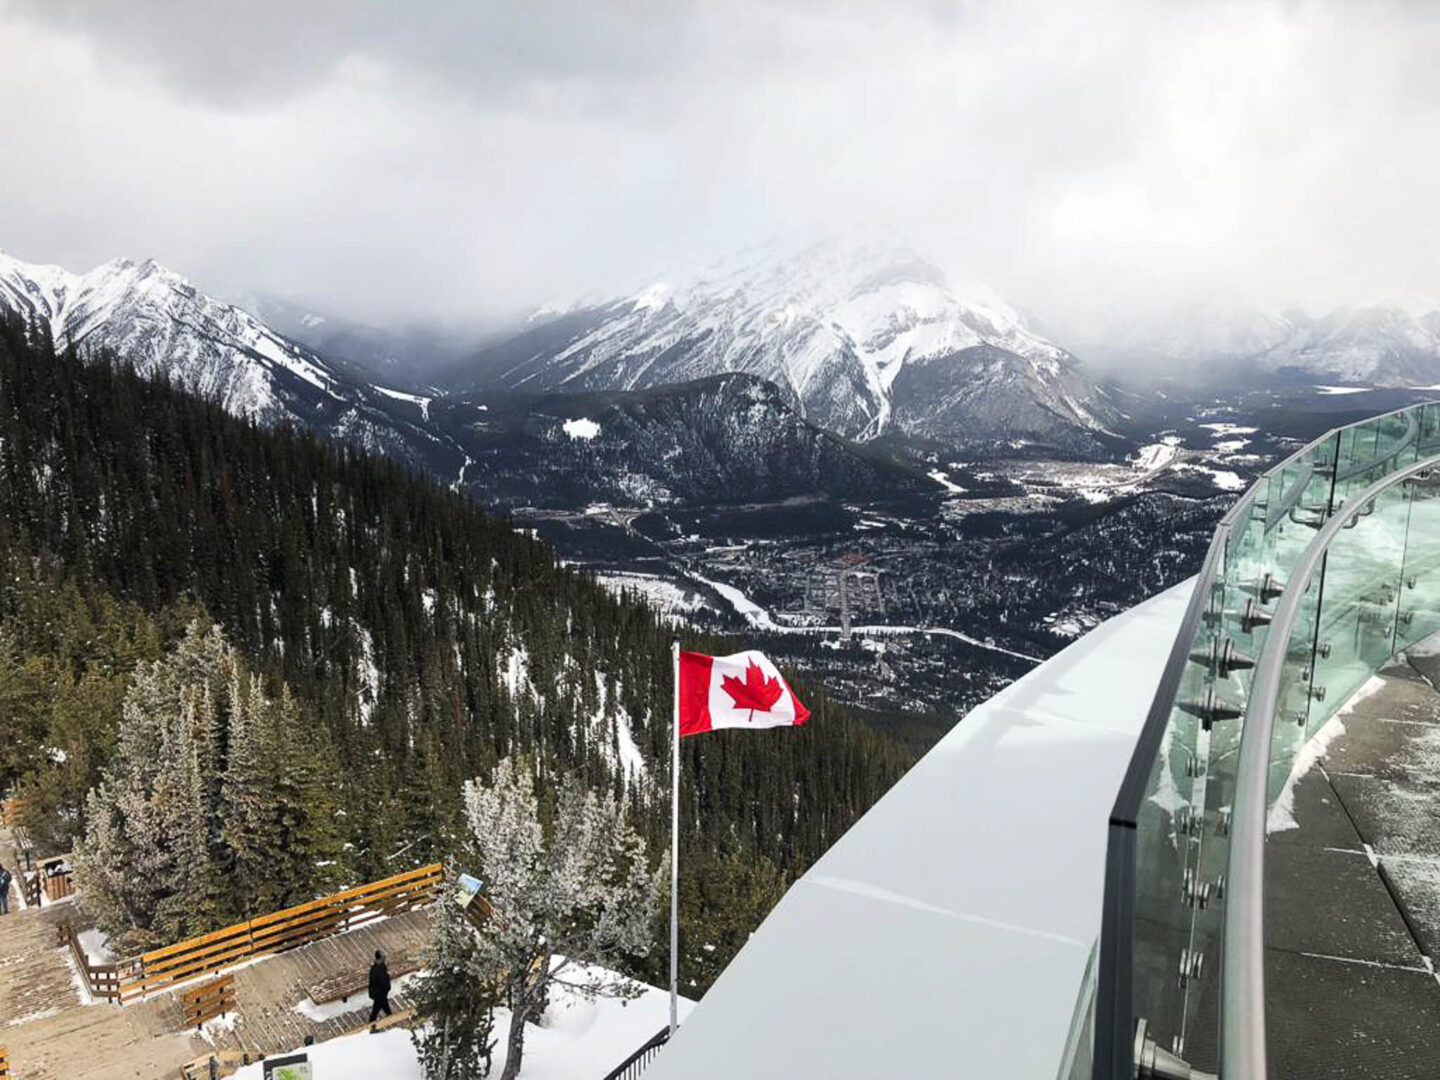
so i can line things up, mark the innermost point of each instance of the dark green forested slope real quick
(422, 639)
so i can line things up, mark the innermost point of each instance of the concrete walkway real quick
(1352, 897)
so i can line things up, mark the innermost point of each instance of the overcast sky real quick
(459, 158)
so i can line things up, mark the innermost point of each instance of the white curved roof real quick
(948, 932)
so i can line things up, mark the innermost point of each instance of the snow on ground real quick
(1158, 455)
(97, 947)
(580, 1040)
(78, 981)
(627, 756)
(660, 593)
(1223, 428)
(1230, 446)
(414, 399)
(1282, 814)
(1223, 479)
(1332, 390)
(581, 428)
(750, 611)
(219, 1025)
(943, 479)
(903, 631)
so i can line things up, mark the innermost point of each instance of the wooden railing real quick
(10, 811)
(288, 929)
(30, 886)
(208, 1000)
(102, 979)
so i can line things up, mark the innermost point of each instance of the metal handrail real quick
(1242, 978)
(1360, 468)
(636, 1063)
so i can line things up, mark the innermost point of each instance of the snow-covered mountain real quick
(717, 440)
(159, 322)
(1391, 344)
(1383, 345)
(865, 338)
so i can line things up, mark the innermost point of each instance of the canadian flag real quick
(741, 691)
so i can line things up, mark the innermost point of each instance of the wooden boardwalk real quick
(52, 1034)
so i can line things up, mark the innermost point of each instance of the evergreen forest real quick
(380, 641)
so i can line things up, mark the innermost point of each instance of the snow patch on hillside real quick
(367, 675)
(746, 608)
(413, 399)
(1158, 455)
(515, 672)
(943, 479)
(581, 428)
(671, 600)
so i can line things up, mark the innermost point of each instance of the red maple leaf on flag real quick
(757, 693)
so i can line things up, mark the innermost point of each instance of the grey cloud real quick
(464, 159)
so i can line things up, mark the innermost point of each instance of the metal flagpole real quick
(675, 845)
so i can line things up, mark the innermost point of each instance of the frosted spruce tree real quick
(216, 807)
(571, 896)
(455, 999)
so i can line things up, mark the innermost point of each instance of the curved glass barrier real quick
(1377, 589)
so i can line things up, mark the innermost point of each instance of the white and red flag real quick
(741, 691)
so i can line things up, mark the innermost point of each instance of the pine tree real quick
(215, 793)
(455, 1000)
(572, 888)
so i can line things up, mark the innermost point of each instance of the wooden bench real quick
(214, 1065)
(208, 1000)
(344, 985)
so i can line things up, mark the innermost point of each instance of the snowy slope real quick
(864, 337)
(160, 323)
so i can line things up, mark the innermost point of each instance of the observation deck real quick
(1265, 899)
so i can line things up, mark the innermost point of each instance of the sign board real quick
(466, 889)
(294, 1067)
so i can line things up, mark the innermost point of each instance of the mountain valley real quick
(888, 482)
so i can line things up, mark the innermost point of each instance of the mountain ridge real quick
(835, 326)
(1389, 343)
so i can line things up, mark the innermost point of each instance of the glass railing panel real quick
(1371, 449)
(1419, 605)
(1376, 591)
(1291, 726)
(1427, 421)
(1166, 855)
(1360, 598)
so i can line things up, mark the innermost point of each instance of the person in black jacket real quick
(379, 988)
(4, 891)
